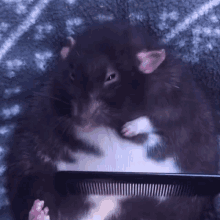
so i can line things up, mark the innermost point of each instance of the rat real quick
(118, 100)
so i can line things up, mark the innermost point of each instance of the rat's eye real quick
(72, 76)
(112, 76)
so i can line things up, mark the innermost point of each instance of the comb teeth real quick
(131, 189)
(137, 184)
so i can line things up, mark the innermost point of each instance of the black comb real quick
(139, 184)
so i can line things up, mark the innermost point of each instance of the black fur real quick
(168, 96)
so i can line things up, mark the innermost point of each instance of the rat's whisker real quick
(50, 97)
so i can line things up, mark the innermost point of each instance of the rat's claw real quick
(46, 210)
(41, 216)
(37, 213)
(39, 205)
(124, 130)
(129, 130)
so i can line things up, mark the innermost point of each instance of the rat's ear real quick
(150, 60)
(65, 50)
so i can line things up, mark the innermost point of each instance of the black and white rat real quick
(117, 101)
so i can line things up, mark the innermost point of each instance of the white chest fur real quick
(118, 155)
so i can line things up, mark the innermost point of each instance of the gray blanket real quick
(32, 33)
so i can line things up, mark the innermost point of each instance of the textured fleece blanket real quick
(32, 33)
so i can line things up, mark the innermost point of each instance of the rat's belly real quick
(118, 155)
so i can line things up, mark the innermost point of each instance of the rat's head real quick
(102, 77)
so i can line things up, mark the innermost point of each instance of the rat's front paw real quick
(129, 129)
(137, 126)
(37, 213)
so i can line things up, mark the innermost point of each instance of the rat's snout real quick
(87, 113)
(91, 110)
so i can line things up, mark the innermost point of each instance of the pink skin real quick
(126, 131)
(37, 213)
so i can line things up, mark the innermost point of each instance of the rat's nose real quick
(87, 112)
(90, 111)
